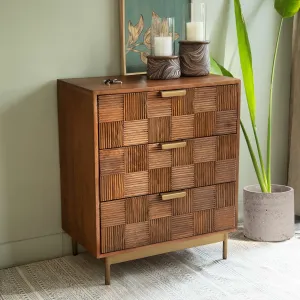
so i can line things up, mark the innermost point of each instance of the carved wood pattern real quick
(205, 173)
(228, 97)
(112, 187)
(205, 99)
(226, 194)
(111, 108)
(142, 118)
(135, 106)
(137, 235)
(157, 106)
(136, 184)
(159, 209)
(207, 119)
(205, 124)
(147, 169)
(160, 230)
(159, 129)
(205, 149)
(226, 170)
(182, 127)
(183, 156)
(182, 226)
(113, 213)
(204, 222)
(136, 210)
(204, 198)
(160, 180)
(112, 238)
(111, 135)
(135, 132)
(226, 122)
(151, 220)
(225, 218)
(183, 105)
(159, 158)
(183, 205)
(227, 147)
(183, 177)
(136, 158)
(112, 161)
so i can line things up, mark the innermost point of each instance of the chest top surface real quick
(140, 83)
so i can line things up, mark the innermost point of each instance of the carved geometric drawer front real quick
(149, 169)
(225, 218)
(139, 221)
(142, 118)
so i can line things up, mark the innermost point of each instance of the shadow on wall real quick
(29, 174)
(219, 33)
(249, 20)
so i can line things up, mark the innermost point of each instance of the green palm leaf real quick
(247, 70)
(246, 59)
(218, 69)
(215, 67)
(287, 8)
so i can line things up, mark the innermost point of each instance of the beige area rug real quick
(252, 271)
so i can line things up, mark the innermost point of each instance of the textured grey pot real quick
(269, 217)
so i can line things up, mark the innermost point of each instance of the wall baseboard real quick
(32, 250)
(67, 245)
(36, 249)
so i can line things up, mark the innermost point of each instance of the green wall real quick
(42, 40)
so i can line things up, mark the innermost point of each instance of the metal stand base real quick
(157, 249)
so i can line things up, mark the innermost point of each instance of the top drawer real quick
(154, 117)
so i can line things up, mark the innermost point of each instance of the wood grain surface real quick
(79, 165)
(114, 168)
(138, 83)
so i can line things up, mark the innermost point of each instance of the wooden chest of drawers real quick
(148, 167)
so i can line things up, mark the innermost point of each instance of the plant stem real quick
(263, 170)
(269, 140)
(254, 161)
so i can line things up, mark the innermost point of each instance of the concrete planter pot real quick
(269, 217)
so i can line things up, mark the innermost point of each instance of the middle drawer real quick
(156, 168)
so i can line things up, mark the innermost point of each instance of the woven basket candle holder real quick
(194, 58)
(163, 67)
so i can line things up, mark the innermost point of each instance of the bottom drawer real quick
(140, 221)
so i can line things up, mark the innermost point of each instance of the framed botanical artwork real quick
(135, 24)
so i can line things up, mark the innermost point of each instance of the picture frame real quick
(135, 29)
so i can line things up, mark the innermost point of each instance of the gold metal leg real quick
(107, 271)
(167, 247)
(74, 247)
(225, 246)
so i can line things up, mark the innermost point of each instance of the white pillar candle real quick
(195, 31)
(163, 46)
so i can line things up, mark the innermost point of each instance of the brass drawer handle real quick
(170, 196)
(173, 145)
(176, 93)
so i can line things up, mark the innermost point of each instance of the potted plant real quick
(268, 208)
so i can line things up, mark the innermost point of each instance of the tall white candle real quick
(195, 31)
(163, 46)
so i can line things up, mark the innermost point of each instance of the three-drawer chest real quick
(148, 167)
